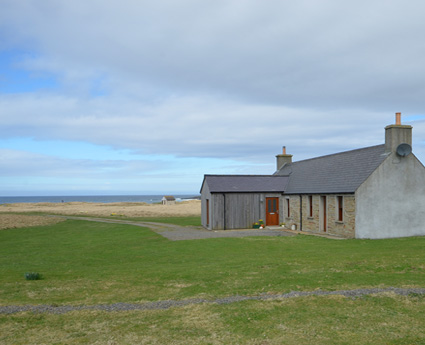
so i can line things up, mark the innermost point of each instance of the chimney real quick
(397, 134)
(283, 159)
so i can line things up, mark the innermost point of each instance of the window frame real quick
(310, 206)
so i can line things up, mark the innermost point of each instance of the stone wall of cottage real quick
(314, 222)
(346, 227)
(294, 211)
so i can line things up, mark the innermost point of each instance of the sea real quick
(150, 199)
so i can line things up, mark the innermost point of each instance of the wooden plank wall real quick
(205, 194)
(237, 210)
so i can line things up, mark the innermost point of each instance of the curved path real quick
(161, 305)
(175, 233)
(179, 233)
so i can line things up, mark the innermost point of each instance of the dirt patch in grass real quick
(13, 221)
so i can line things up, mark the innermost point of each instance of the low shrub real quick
(32, 276)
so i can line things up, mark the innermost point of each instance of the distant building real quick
(168, 200)
(373, 192)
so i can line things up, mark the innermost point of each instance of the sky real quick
(134, 97)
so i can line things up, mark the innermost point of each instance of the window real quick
(340, 208)
(310, 205)
(288, 208)
(271, 205)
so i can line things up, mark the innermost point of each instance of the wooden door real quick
(272, 211)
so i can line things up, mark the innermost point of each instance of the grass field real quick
(87, 263)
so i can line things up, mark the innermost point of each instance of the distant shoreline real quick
(105, 199)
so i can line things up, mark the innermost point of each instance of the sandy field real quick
(121, 209)
(13, 221)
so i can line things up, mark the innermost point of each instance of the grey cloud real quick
(232, 79)
(16, 163)
(321, 54)
(192, 127)
(24, 171)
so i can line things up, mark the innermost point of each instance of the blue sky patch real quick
(16, 79)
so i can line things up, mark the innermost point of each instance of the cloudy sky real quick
(141, 97)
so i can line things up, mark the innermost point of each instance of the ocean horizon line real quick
(147, 198)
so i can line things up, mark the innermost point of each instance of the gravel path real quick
(162, 305)
(179, 233)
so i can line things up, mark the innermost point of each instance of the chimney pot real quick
(397, 134)
(398, 118)
(284, 150)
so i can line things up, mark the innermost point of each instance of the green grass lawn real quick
(90, 263)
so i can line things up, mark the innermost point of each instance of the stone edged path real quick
(163, 305)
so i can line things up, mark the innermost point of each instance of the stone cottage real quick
(373, 192)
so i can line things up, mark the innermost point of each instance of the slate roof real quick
(246, 183)
(337, 173)
(341, 172)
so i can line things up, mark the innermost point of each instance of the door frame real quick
(272, 217)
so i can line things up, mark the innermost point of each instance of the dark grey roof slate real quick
(337, 173)
(245, 183)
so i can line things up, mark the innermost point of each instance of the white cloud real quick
(26, 163)
(21, 171)
(321, 54)
(190, 127)
(230, 80)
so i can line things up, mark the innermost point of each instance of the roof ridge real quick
(335, 173)
(242, 175)
(338, 153)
